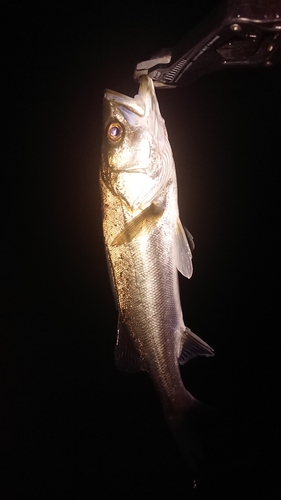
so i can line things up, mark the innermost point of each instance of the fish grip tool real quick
(238, 33)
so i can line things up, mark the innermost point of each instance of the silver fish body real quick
(146, 245)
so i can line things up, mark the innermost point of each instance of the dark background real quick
(71, 425)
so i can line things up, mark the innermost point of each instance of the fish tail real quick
(190, 429)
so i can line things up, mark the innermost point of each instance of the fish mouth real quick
(131, 104)
(135, 104)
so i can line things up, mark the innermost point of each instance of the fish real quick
(146, 246)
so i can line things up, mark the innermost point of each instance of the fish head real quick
(137, 160)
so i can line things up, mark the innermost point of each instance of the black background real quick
(71, 425)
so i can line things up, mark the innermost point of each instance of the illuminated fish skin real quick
(138, 183)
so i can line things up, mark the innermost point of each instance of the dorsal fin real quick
(182, 251)
(144, 222)
(193, 346)
(190, 238)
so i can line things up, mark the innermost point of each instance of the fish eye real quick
(114, 132)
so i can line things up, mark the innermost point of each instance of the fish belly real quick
(145, 280)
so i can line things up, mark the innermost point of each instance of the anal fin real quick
(127, 359)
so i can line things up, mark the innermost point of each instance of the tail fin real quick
(191, 431)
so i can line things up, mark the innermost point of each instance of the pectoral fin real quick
(182, 250)
(144, 222)
(193, 346)
(127, 359)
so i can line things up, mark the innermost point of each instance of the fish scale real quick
(146, 246)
